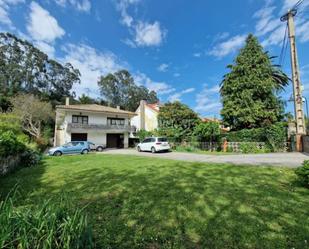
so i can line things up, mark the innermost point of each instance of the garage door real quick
(79, 137)
(114, 141)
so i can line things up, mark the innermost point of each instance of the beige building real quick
(102, 125)
(146, 116)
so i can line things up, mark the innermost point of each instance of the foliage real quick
(10, 122)
(177, 120)
(275, 136)
(30, 158)
(9, 145)
(24, 68)
(142, 134)
(250, 147)
(48, 225)
(142, 202)
(33, 113)
(249, 92)
(209, 131)
(303, 173)
(119, 89)
(84, 99)
(5, 104)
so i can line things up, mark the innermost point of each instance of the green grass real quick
(137, 202)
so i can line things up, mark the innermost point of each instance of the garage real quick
(79, 136)
(114, 140)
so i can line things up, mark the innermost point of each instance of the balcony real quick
(100, 127)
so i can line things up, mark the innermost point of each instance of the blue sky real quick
(178, 48)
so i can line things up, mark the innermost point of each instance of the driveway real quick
(291, 160)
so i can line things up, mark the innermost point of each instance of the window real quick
(116, 121)
(78, 119)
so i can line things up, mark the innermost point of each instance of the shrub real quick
(142, 134)
(249, 147)
(49, 225)
(9, 144)
(303, 173)
(30, 158)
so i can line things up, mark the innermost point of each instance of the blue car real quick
(74, 147)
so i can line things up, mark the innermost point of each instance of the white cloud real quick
(208, 101)
(272, 29)
(92, 64)
(160, 88)
(147, 34)
(197, 55)
(177, 96)
(80, 5)
(5, 6)
(229, 46)
(42, 26)
(163, 67)
(122, 6)
(46, 48)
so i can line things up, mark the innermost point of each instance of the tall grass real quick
(50, 225)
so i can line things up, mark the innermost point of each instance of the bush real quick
(250, 147)
(9, 144)
(142, 134)
(30, 158)
(303, 173)
(49, 225)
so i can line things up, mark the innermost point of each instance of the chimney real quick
(142, 114)
(67, 101)
(118, 107)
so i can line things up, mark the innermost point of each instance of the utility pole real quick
(297, 89)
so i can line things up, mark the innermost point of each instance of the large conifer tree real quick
(249, 92)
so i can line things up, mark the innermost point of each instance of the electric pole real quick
(297, 88)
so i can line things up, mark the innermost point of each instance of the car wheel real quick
(100, 149)
(139, 149)
(153, 150)
(85, 151)
(57, 153)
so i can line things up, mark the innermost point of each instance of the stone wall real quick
(9, 164)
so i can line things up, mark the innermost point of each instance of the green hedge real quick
(303, 173)
(275, 136)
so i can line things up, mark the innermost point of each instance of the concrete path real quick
(290, 160)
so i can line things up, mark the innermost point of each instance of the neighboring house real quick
(107, 126)
(146, 116)
(222, 127)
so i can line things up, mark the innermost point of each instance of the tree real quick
(119, 89)
(177, 121)
(33, 113)
(5, 104)
(249, 92)
(24, 68)
(209, 131)
(84, 99)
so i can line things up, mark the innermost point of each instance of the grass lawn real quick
(137, 202)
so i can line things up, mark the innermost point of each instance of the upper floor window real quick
(78, 119)
(115, 121)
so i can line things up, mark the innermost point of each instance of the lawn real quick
(137, 202)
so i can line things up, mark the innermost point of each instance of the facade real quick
(146, 116)
(102, 125)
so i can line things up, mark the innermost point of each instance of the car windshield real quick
(162, 139)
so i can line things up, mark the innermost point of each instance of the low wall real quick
(9, 164)
(305, 140)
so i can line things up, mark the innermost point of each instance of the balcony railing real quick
(123, 128)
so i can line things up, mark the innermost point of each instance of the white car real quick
(154, 144)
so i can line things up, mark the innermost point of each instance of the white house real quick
(107, 126)
(146, 116)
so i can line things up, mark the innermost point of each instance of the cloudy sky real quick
(178, 48)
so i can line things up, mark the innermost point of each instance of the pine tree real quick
(249, 92)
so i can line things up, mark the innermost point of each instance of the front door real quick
(79, 137)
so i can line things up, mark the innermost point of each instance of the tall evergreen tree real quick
(249, 92)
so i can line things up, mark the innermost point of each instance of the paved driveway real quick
(291, 160)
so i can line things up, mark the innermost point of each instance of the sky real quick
(178, 48)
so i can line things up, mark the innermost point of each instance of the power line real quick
(284, 46)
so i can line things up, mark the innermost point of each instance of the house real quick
(107, 126)
(222, 127)
(146, 116)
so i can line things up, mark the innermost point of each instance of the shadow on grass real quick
(167, 204)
